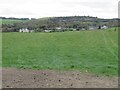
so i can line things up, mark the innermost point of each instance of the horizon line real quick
(59, 16)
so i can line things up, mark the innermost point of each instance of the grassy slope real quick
(0, 49)
(10, 21)
(94, 51)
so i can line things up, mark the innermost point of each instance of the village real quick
(60, 29)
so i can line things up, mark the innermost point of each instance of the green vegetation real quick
(94, 51)
(0, 49)
(12, 21)
(53, 23)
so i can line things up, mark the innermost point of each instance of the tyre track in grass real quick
(114, 44)
(109, 49)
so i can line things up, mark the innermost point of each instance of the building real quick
(58, 28)
(93, 27)
(47, 30)
(104, 27)
(25, 30)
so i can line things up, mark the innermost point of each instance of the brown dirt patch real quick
(26, 78)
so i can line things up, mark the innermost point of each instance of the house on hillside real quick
(74, 29)
(47, 31)
(83, 29)
(31, 31)
(25, 30)
(59, 29)
(104, 27)
(92, 27)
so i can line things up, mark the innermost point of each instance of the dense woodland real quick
(64, 23)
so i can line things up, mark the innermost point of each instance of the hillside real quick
(11, 21)
(69, 22)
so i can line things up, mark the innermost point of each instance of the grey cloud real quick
(15, 12)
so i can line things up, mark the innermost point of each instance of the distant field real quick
(10, 21)
(91, 51)
(0, 49)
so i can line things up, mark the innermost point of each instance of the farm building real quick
(58, 28)
(92, 27)
(47, 30)
(104, 27)
(25, 30)
(83, 29)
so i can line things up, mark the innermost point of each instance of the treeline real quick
(13, 18)
(52, 23)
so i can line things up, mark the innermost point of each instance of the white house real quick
(47, 30)
(58, 28)
(83, 29)
(31, 30)
(74, 29)
(92, 28)
(104, 27)
(24, 30)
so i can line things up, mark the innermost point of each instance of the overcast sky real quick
(48, 8)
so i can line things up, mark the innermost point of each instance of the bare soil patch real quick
(27, 78)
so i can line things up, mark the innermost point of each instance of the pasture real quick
(0, 49)
(11, 21)
(88, 51)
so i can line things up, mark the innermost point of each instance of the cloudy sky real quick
(48, 8)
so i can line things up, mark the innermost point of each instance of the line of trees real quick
(75, 22)
(13, 18)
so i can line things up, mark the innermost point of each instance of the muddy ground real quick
(26, 78)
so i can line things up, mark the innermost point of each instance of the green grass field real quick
(0, 49)
(10, 21)
(94, 51)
